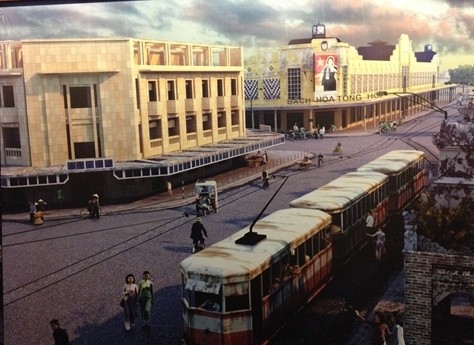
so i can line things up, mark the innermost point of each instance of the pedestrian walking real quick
(94, 206)
(169, 186)
(381, 328)
(321, 132)
(129, 301)
(397, 330)
(60, 196)
(265, 179)
(59, 334)
(320, 159)
(145, 298)
(198, 234)
(379, 243)
(32, 211)
(265, 156)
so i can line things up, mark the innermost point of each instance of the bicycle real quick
(85, 213)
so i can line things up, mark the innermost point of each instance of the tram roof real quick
(229, 262)
(392, 162)
(341, 192)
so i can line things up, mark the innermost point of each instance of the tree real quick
(463, 74)
(451, 227)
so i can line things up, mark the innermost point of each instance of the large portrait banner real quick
(325, 75)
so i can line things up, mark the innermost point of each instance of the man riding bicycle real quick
(198, 234)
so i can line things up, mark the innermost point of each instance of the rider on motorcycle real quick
(198, 234)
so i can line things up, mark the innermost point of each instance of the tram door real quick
(257, 322)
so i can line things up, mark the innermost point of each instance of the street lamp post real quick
(433, 106)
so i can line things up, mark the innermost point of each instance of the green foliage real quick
(463, 74)
(450, 227)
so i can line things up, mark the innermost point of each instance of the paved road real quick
(74, 269)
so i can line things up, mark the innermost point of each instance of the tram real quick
(236, 293)
(348, 199)
(406, 177)
(253, 289)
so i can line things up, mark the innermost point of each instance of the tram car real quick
(242, 294)
(406, 177)
(348, 199)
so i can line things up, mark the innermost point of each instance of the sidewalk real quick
(393, 300)
(182, 195)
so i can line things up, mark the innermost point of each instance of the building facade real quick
(124, 99)
(321, 81)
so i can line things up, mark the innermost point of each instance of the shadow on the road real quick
(163, 331)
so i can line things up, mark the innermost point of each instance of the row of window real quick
(360, 83)
(271, 279)
(173, 169)
(190, 89)
(406, 176)
(352, 215)
(173, 125)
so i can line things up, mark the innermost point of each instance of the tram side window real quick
(237, 302)
(392, 183)
(197, 299)
(309, 249)
(317, 243)
(301, 254)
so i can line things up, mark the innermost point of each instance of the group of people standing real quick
(37, 210)
(379, 235)
(134, 295)
(388, 328)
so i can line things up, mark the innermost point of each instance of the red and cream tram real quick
(348, 199)
(242, 294)
(406, 178)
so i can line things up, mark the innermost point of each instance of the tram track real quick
(156, 231)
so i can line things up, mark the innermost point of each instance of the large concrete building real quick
(323, 81)
(119, 117)
(125, 99)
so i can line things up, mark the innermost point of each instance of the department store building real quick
(322, 81)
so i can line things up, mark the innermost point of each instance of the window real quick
(344, 79)
(237, 302)
(189, 89)
(234, 118)
(220, 87)
(191, 124)
(11, 137)
(294, 83)
(173, 126)
(221, 120)
(155, 129)
(80, 97)
(205, 88)
(233, 86)
(152, 94)
(207, 121)
(8, 96)
(171, 90)
(84, 150)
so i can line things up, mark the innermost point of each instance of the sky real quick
(446, 24)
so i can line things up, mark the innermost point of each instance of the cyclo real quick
(206, 196)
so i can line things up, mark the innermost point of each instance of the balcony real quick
(206, 103)
(153, 108)
(172, 107)
(190, 105)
